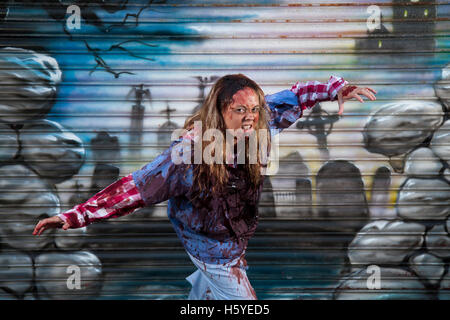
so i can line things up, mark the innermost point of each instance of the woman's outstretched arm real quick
(287, 106)
(156, 182)
(118, 199)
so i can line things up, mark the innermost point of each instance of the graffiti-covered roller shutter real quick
(91, 92)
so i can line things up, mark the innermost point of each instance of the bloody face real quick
(243, 112)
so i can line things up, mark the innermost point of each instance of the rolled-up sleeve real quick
(156, 182)
(118, 199)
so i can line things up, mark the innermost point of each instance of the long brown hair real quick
(215, 176)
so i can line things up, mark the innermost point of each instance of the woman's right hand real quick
(52, 222)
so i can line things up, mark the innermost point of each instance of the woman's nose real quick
(249, 116)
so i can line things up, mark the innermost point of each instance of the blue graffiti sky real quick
(145, 50)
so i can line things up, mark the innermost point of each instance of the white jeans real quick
(220, 281)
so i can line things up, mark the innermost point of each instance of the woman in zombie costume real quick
(213, 206)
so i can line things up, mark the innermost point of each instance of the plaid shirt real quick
(159, 181)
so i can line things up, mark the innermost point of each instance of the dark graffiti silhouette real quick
(320, 124)
(137, 116)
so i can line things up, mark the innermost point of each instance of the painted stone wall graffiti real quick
(47, 154)
(412, 249)
(35, 84)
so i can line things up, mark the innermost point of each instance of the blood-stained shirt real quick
(214, 228)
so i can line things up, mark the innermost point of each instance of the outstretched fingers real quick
(40, 227)
(354, 93)
(368, 94)
(358, 98)
(53, 222)
(371, 90)
(363, 91)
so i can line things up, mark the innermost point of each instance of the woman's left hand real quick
(349, 92)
